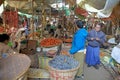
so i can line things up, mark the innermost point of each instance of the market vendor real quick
(5, 50)
(78, 45)
(25, 25)
(58, 32)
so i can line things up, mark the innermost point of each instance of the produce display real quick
(68, 40)
(102, 54)
(33, 34)
(50, 42)
(63, 62)
(1, 29)
(64, 52)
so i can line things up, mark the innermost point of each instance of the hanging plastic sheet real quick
(107, 10)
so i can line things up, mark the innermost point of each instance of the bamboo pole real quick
(32, 20)
(43, 17)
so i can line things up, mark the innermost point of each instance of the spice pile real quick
(50, 42)
(68, 40)
(63, 63)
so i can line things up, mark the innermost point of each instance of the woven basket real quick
(62, 74)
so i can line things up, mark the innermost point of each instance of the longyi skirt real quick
(92, 55)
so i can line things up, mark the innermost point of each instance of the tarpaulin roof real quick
(103, 7)
(21, 4)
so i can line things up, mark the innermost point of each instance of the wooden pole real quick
(43, 17)
(32, 20)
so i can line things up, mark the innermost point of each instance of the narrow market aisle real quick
(90, 73)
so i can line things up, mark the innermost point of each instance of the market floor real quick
(90, 73)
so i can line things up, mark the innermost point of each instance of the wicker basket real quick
(62, 74)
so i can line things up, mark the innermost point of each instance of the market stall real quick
(32, 25)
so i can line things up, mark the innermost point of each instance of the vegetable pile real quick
(33, 34)
(1, 30)
(63, 62)
(68, 40)
(50, 42)
(64, 52)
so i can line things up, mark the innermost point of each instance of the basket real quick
(62, 74)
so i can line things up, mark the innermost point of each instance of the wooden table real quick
(13, 67)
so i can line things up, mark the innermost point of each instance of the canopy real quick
(102, 8)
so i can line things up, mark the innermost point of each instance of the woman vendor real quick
(58, 32)
(5, 50)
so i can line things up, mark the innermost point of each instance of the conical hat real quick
(14, 66)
